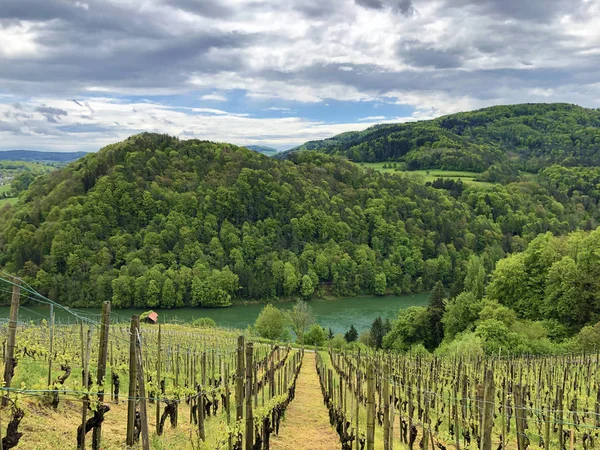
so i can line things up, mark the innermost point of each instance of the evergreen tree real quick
(378, 331)
(436, 313)
(351, 335)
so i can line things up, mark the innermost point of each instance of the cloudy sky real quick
(79, 74)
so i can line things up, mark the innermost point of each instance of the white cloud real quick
(372, 119)
(214, 98)
(443, 57)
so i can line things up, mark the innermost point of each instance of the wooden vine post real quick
(487, 419)
(239, 380)
(102, 357)
(142, 389)
(9, 365)
(51, 326)
(158, 381)
(135, 322)
(370, 408)
(386, 407)
(86, 371)
(249, 417)
(520, 416)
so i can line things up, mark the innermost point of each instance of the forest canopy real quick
(154, 221)
(530, 136)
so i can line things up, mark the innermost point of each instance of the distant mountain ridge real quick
(32, 155)
(528, 136)
(269, 151)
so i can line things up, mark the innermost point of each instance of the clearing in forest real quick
(306, 424)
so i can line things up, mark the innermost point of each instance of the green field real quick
(11, 200)
(429, 175)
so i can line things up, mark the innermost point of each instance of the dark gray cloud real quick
(418, 54)
(208, 8)
(405, 7)
(318, 9)
(51, 114)
(523, 10)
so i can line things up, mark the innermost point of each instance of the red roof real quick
(153, 316)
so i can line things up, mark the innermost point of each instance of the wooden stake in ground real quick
(239, 380)
(9, 366)
(102, 356)
(158, 381)
(86, 371)
(51, 325)
(487, 420)
(142, 389)
(135, 322)
(386, 407)
(249, 416)
(370, 408)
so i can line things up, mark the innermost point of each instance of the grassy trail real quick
(306, 424)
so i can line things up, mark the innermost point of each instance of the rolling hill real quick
(155, 221)
(31, 155)
(527, 136)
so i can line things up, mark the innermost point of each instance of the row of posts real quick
(387, 398)
(137, 393)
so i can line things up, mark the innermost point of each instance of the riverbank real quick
(335, 313)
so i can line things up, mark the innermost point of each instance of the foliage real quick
(530, 136)
(379, 329)
(552, 279)
(351, 335)
(337, 341)
(158, 222)
(271, 323)
(300, 318)
(588, 338)
(204, 322)
(316, 335)
(461, 314)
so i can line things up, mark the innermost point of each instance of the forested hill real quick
(31, 155)
(530, 136)
(155, 221)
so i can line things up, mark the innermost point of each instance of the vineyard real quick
(218, 390)
(101, 384)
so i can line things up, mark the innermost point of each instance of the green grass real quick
(11, 200)
(4, 188)
(430, 175)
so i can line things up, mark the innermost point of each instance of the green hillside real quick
(158, 222)
(527, 136)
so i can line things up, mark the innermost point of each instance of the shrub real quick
(316, 335)
(204, 322)
(271, 323)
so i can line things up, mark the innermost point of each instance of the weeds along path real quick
(306, 425)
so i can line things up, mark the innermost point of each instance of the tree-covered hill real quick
(155, 221)
(529, 136)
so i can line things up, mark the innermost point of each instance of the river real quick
(337, 314)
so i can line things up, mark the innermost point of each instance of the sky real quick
(81, 74)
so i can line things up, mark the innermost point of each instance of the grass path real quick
(306, 424)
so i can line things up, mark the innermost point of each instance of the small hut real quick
(149, 317)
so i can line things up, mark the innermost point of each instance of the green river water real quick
(337, 314)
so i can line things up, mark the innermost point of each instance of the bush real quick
(465, 344)
(316, 335)
(204, 322)
(365, 338)
(338, 341)
(271, 323)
